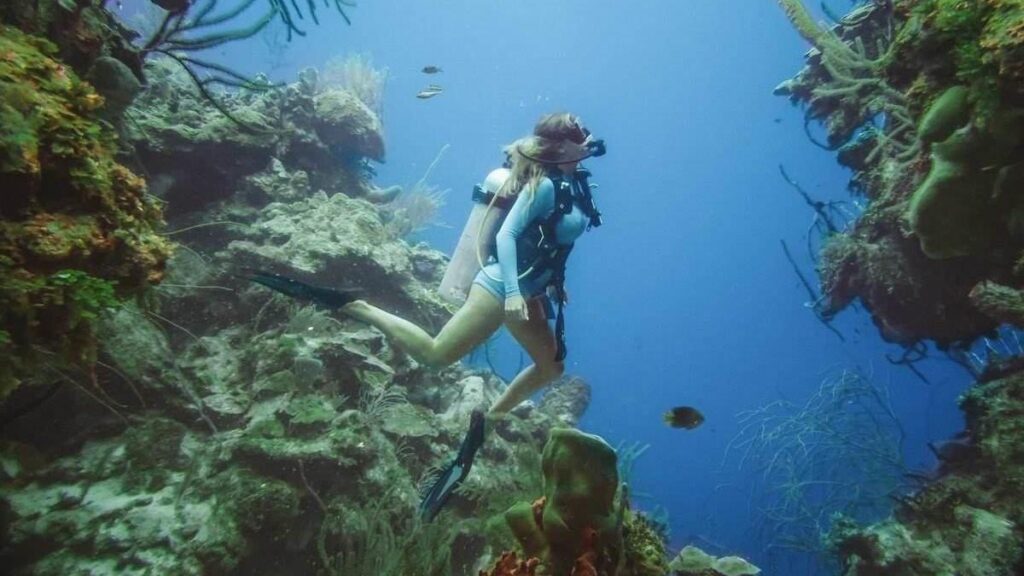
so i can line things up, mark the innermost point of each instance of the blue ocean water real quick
(684, 296)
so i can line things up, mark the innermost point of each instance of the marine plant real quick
(417, 208)
(77, 230)
(840, 451)
(357, 74)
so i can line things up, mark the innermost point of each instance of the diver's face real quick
(569, 167)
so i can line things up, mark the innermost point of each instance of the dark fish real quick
(684, 417)
(432, 69)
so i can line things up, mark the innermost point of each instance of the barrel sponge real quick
(962, 206)
(950, 212)
(950, 111)
(580, 482)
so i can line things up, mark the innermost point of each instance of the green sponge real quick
(580, 482)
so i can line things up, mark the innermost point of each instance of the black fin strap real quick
(560, 351)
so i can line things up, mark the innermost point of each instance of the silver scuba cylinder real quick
(477, 241)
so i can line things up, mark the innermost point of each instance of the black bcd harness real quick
(538, 249)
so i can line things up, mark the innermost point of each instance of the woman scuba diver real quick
(551, 207)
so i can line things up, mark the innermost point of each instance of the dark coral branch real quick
(819, 207)
(815, 299)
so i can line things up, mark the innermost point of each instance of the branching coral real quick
(188, 29)
(855, 89)
(77, 227)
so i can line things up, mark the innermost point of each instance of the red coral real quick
(510, 565)
(586, 562)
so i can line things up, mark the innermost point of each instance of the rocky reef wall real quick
(923, 100)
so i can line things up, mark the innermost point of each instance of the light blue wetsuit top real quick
(501, 278)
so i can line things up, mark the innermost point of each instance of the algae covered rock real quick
(344, 123)
(77, 230)
(692, 561)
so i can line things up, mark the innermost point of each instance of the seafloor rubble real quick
(924, 101)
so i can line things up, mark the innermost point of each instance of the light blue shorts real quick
(491, 281)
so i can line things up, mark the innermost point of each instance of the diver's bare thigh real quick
(534, 335)
(471, 325)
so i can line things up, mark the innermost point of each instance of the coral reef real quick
(78, 230)
(966, 520)
(926, 106)
(923, 100)
(194, 156)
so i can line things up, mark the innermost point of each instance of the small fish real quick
(432, 69)
(429, 92)
(684, 417)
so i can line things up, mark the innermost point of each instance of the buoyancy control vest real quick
(538, 250)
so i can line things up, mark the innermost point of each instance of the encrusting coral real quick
(77, 230)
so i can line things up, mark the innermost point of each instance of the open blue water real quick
(684, 296)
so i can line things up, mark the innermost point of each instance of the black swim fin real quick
(326, 297)
(452, 476)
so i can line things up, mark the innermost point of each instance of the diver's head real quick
(559, 140)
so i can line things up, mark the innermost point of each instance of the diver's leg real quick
(471, 325)
(539, 341)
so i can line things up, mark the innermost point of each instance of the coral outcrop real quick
(692, 561)
(78, 231)
(923, 100)
(195, 156)
(966, 521)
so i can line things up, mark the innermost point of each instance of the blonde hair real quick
(527, 173)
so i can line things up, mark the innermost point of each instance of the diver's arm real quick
(527, 208)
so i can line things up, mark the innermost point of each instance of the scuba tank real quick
(477, 242)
